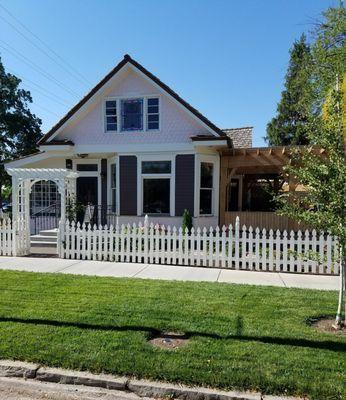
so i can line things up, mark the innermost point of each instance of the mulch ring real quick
(169, 340)
(325, 325)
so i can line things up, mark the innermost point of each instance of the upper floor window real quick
(132, 115)
(136, 114)
(152, 114)
(111, 116)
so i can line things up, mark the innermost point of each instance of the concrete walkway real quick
(168, 272)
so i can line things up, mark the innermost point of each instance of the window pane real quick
(156, 167)
(111, 104)
(153, 125)
(113, 176)
(153, 109)
(86, 167)
(153, 102)
(111, 127)
(153, 118)
(205, 201)
(111, 111)
(156, 196)
(111, 120)
(132, 114)
(206, 175)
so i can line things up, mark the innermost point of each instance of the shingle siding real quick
(128, 185)
(184, 183)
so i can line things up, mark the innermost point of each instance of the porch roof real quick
(256, 159)
(42, 173)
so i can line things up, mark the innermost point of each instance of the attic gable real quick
(129, 62)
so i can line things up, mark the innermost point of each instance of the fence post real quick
(236, 236)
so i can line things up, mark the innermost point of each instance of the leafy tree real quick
(19, 128)
(322, 168)
(289, 126)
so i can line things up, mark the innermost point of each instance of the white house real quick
(138, 148)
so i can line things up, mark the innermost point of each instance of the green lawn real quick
(243, 337)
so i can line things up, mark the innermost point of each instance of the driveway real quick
(168, 272)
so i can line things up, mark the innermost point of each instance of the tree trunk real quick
(340, 314)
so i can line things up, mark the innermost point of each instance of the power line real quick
(24, 80)
(17, 54)
(46, 109)
(72, 70)
(46, 95)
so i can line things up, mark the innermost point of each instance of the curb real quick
(142, 388)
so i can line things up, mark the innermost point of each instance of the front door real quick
(87, 194)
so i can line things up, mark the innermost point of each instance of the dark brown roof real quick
(63, 142)
(241, 137)
(125, 60)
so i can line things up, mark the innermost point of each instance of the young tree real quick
(322, 170)
(19, 128)
(294, 109)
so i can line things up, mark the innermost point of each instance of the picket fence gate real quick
(229, 247)
(14, 237)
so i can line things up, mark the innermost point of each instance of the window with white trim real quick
(206, 188)
(113, 187)
(111, 119)
(133, 114)
(156, 178)
(153, 116)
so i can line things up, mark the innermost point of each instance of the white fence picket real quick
(245, 249)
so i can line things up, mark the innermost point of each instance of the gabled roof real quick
(240, 137)
(123, 62)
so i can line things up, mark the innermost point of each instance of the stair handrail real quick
(44, 209)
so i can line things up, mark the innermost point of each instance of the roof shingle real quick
(241, 137)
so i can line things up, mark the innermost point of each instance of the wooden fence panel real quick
(228, 247)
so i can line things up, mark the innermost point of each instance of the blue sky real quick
(227, 58)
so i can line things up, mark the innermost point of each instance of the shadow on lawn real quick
(313, 344)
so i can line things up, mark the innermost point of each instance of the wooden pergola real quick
(247, 164)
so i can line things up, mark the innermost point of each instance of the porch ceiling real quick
(255, 160)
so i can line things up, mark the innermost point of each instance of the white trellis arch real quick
(24, 178)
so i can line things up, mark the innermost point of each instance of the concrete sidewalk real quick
(168, 272)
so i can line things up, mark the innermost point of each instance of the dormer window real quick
(131, 115)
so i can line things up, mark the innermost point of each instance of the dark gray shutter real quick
(184, 183)
(128, 185)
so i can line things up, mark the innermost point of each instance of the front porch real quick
(249, 178)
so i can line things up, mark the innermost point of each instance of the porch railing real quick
(45, 219)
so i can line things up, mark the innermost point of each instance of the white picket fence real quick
(14, 238)
(229, 247)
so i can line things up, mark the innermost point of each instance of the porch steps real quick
(44, 243)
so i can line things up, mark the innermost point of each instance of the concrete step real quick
(43, 250)
(49, 232)
(43, 244)
(43, 238)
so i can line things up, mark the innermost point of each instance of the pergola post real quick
(22, 181)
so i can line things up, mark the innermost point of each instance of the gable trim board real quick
(148, 75)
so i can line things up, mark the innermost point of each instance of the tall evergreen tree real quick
(289, 126)
(19, 128)
(323, 174)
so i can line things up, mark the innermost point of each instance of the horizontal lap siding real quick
(184, 183)
(128, 185)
